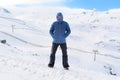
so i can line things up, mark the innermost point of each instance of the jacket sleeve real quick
(52, 30)
(68, 31)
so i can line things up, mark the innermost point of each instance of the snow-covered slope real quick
(5, 13)
(26, 54)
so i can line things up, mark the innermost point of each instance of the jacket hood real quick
(59, 19)
(59, 14)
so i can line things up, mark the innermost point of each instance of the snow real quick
(26, 54)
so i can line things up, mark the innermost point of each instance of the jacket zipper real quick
(59, 33)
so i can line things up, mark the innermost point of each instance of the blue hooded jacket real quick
(60, 30)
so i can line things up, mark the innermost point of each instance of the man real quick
(59, 32)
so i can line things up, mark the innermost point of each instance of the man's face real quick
(59, 16)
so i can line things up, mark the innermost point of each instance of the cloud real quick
(14, 2)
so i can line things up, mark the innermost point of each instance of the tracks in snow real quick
(34, 70)
(37, 45)
(26, 42)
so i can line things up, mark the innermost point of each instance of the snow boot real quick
(66, 68)
(50, 66)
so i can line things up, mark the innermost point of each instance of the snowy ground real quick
(26, 54)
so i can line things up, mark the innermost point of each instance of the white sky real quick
(14, 2)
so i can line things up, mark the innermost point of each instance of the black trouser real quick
(64, 54)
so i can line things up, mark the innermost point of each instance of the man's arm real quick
(52, 30)
(68, 31)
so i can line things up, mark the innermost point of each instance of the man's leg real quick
(64, 55)
(52, 55)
